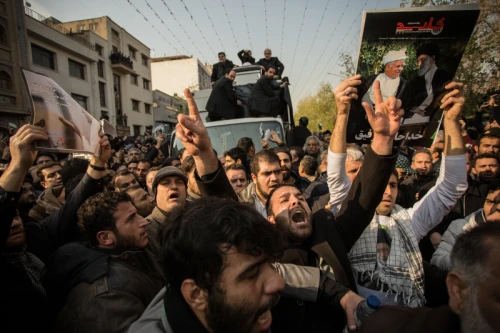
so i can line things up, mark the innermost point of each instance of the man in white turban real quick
(391, 82)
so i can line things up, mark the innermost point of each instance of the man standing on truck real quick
(268, 61)
(222, 102)
(263, 100)
(219, 69)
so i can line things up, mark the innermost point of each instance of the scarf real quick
(403, 275)
(29, 263)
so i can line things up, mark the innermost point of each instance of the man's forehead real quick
(283, 156)
(422, 157)
(266, 166)
(486, 161)
(286, 190)
(55, 168)
(124, 178)
(490, 141)
(235, 173)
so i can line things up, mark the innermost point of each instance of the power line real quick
(89, 9)
(185, 32)
(196, 24)
(229, 21)
(213, 26)
(146, 19)
(283, 26)
(300, 33)
(246, 23)
(161, 20)
(314, 39)
(265, 16)
(326, 46)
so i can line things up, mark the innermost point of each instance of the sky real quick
(307, 36)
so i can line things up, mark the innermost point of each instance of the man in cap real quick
(391, 82)
(430, 82)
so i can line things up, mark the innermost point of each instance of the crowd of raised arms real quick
(323, 236)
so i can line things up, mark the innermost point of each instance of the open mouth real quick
(298, 216)
(265, 320)
(174, 196)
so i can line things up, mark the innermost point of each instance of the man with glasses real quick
(269, 61)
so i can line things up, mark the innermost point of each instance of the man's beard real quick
(487, 176)
(425, 68)
(287, 174)
(223, 316)
(285, 223)
(471, 319)
(261, 191)
(125, 242)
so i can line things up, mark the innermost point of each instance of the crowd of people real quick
(289, 239)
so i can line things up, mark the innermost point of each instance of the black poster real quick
(413, 53)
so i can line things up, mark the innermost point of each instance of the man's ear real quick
(239, 161)
(474, 171)
(106, 238)
(476, 147)
(458, 292)
(195, 297)
(271, 219)
(43, 184)
(254, 178)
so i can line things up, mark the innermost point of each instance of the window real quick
(131, 52)
(82, 100)
(115, 49)
(43, 57)
(145, 84)
(102, 93)
(4, 38)
(93, 26)
(135, 105)
(147, 108)
(80, 27)
(99, 49)
(145, 60)
(115, 33)
(105, 115)
(5, 80)
(137, 130)
(134, 79)
(76, 69)
(100, 68)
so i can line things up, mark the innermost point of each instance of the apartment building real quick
(166, 108)
(173, 74)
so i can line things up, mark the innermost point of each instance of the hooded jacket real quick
(47, 203)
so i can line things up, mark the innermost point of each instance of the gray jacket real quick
(441, 257)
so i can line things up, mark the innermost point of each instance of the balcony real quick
(121, 63)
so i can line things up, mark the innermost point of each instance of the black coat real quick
(332, 239)
(300, 134)
(222, 100)
(263, 99)
(241, 55)
(219, 69)
(275, 62)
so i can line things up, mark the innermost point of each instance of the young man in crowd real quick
(52, 198)
(236, 174)
(142, 170)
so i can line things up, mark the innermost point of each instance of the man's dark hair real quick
(269, 209)
(271, 66)
(96, 214)
(481, 156)
(236, 154)
(121, 173)
(145, 161)
(188, 165)
(438, 150)
(309, 165)
(44, 153)
(282, 150)
(168, 161)
(195, 242)
(266, 156)
(236, 166)
(303, 121)
(299, 151)
(71, 184)
(472, 250)
(132, 162)
(486, 135)
(223, 53)
(229, 70)
(73, 168)
(245, 144)
(43, 167)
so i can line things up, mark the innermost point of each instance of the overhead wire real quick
(146, 19)
(313, 40)
(230, 25)
(300, 33)
(183, 29)
(283, 26)
(196, 24)
(265, 17)
(246, 23)
(326, 46)
(171, 33)
(213, 26)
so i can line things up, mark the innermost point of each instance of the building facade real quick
(15, 108)
(166, 108)
(173, 74)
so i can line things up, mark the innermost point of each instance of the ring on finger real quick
(346, 92)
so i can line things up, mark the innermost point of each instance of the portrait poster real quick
(414, 53)
(70, 127)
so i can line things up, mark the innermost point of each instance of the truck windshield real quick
(225, 137)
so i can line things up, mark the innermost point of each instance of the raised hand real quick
(21, 146)
(453, 102)
(345, 93)
(106, 151)
(191, 130)
(385, 120)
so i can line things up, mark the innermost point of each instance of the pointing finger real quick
(377, 92)
(193, 108)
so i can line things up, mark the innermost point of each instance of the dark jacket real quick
(102, 290)
(331, 240)
(274, 61)
(241, 55)
(401, 319)
(263, 100)
(219, 69)
(46, 203)
(417, 92)
(300, 134)
(410, 187)
(222, 100)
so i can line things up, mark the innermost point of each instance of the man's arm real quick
(213, 77)
(241, 54)
(451, 184)
(153, 152)
(368, 187)
(228, 87)
(267, 87)
(281, 67)
(194, 136)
